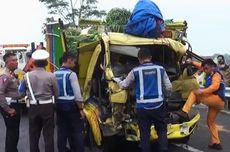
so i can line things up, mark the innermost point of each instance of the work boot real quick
(215, 146)
(183, 115)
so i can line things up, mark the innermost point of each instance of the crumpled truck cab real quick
(111, 110)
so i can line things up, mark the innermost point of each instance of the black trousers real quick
(145, 119)
(70, 127)
(41, 117)
(12, 128)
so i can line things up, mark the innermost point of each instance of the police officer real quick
(42, 87)
(69, 107)
(151, 81)
(9, 106)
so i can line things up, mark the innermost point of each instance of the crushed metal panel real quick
(125, 39)
(85, 53)
(125, 50)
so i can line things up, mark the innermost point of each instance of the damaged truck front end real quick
(109, 109)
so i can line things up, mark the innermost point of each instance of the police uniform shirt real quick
(8, 88)
(43, 83)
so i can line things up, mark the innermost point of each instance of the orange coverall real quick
(214, 103)
(29, 65)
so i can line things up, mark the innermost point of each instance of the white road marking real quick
(202, 106)
(226, 112)
(187, 147)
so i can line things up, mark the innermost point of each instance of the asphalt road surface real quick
(198, 141)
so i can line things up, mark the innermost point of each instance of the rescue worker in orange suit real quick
(29, 65)
(212, 95)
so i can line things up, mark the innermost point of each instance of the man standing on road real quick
(212, 95)
(224, 69)
(151, 81)
(69, 107)
(9, 107)
(42, 87)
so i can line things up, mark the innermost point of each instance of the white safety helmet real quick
(40, 55)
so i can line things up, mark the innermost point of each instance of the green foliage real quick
(117, 18)
(89, 37)
(68, 11)
(73, 37)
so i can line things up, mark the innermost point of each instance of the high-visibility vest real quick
(148, 78)
(221, 89)
(65, 89)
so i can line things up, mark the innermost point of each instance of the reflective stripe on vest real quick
(65, 88)
(148, 79)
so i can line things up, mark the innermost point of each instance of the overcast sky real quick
(208, 21)
(21, 21)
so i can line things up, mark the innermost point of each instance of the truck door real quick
(87, 58)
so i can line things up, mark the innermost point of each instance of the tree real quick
(71, 38)
(117, 18)
(68, 11)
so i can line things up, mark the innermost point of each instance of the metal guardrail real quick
(227, 95)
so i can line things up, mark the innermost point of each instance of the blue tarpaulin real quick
(146, 20)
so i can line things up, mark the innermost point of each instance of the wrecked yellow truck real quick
(109, 109)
